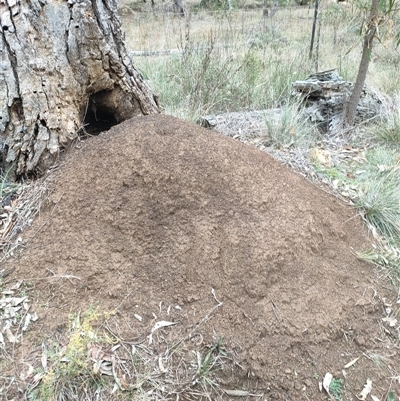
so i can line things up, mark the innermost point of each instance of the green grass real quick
(211, 361)
(93, 363)
(229, 65)
(387, 131)
(292, 129)
(336, 389)
(207, 78)
(379, 195)
(372, 182)
(70, 369)
(383, 255)
(375, 185)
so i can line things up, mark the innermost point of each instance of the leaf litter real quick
(15, 315)
(156, 369)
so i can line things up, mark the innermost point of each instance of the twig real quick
(275, 310)
(207, 316)
(215, 297)
(66, 276)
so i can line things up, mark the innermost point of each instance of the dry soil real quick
(158, 212)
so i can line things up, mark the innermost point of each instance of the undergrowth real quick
(65, 371)
(96, 364)
(218, 72)
(292, 129)
(207, 79)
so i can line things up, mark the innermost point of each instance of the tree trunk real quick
(63, 67)
(350, 108)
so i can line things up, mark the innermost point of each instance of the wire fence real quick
(160, 33)
(338, 41)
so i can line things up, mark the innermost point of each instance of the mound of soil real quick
(153, 215)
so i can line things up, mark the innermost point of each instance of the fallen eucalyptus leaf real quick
(391, 320)
(138, 317)
(25, 375)
(17, 301)
(160, 324)
(157, 326)
(161, 365)
(37, 379)
(113, 349)
(327, 382)
(10, 337)
(351, 363)
(115, 388)
(16, 285)
(237, 393)
(102, 363)
(105, 368)
(28, 318)
(43, 360)
(365, 391)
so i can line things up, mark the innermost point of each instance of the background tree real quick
(376, 17)
(63, 66)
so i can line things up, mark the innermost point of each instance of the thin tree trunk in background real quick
(63, 64)
(313, 28)
(350, 108)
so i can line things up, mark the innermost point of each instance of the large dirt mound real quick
(159, 210)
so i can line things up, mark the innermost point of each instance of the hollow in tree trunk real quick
(63, 67)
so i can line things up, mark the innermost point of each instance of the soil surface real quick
(159, 217)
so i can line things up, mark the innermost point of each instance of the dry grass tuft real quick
(23, 203)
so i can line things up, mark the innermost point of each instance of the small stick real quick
(275, 310)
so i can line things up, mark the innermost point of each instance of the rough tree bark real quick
(63, 65)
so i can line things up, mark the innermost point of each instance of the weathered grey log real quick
(248, 123)
(63, 64)
(324, 94)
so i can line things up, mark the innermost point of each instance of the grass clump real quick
(336, 389)
(383, 255)
(379, 194)
(68, 370)
(373, 184)
(387, 131)
(218, 4)
(292, 128)
(210, 363)
(371, 180)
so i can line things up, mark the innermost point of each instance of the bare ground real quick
(164, 219)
